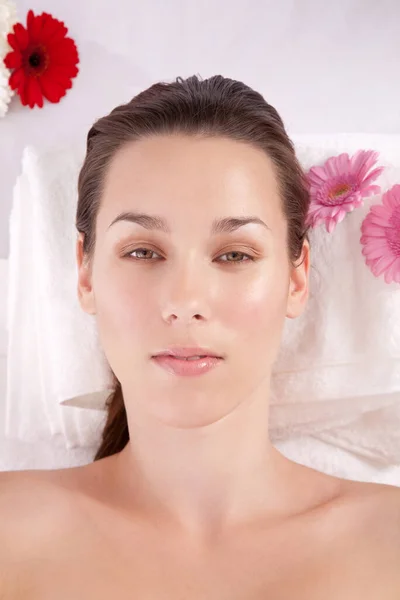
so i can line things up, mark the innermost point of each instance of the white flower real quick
(8, 17)
(6, 93)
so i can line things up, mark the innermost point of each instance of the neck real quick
(209, 479)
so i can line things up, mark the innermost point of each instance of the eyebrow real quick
(225, 225)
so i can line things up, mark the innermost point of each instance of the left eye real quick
(237, 253)
(140, 250)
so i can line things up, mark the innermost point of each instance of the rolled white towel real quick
(53, 350)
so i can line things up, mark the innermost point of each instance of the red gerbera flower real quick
(43, 59)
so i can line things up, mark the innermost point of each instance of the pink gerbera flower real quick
(381, 236)
(339, 186)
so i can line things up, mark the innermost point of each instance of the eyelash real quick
(249, 257)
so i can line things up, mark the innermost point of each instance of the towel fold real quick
(337, 376)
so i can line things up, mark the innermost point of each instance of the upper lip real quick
(186, 351)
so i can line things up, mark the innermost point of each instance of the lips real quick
(186, 357)
(190, 353)
(177, 365)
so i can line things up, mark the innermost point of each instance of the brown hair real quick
(217, 106)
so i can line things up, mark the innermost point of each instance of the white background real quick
(325, 66)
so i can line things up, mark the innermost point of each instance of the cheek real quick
(129, 309)
(256, 305)
(258, 322)
(123, 309)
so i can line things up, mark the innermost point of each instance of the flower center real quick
(340, 190)
(393, 232)
(36, 61)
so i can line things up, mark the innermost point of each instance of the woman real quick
(192, 251)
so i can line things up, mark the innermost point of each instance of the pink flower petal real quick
(392, 273)
(371, 191)
(377, 253)
(317, 174)
(396, 270)
(341, 216)
(379, 219)
(343, 162)
(369, 228)
(336, 210)
(368, 243)
(331, 224)
(378, 209)
(382, 265)
(362, 162)
(391, 199)
(372, 176)
(331, 166)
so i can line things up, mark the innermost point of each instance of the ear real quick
(299, 284)
(85, 290)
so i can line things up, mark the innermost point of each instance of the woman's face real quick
(189, 282)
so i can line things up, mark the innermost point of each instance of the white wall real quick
(325, 66)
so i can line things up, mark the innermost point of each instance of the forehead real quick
(191, 176)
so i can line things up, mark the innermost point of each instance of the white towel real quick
(337, 376)
(25, 414)
(53, 350)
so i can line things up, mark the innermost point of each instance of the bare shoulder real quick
(31, 503)
(20, 490)
(34, 504)
(372, 514)
(374, 506)
(376, 500)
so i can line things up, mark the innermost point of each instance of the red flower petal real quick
(51, 28)
(30, 18)
(69, 71)
(59, 80)
(13, 60)
(60, 77)
(12, 40)
(64, 52)
(16, 78)
(60, 73)
(57, 36)
(22, 91)
(35, 31)
(34, 92)
(22, 36)
(52, 90)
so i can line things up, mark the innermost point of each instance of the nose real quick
(187, 298)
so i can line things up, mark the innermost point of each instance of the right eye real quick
(140, 250)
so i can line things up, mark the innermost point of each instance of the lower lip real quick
(178, 366)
